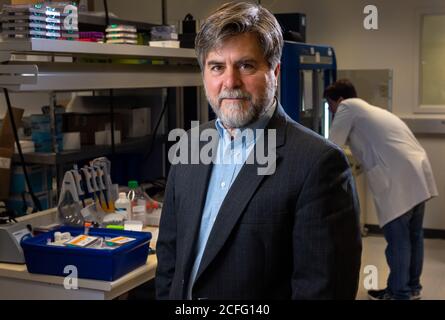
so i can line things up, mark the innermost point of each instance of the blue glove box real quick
(98, 264)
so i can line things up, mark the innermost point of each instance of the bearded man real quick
(228, 232)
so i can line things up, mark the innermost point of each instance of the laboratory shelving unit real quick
(43, 65)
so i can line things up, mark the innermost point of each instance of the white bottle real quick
(123, 205)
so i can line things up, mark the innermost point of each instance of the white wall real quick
(151, 11)
(136, 10)
(31, 102)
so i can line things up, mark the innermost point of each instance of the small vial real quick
(87, 226)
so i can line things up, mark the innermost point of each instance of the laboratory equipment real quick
(79, 185)
(11, 234)
(306, 70)
(94, 183)
(69, 206)
(293, 25)
(138, 201)
(110, 191)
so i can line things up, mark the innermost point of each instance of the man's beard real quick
(234, 115)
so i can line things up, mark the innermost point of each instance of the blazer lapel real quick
(198, 175)
(241, 191)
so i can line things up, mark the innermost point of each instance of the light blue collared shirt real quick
(230, 157)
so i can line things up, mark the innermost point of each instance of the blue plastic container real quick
(98, 264)
(42, 123)
(43, 141)
(39, 176)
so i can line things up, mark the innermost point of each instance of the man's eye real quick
(216, 68)
(246, 67)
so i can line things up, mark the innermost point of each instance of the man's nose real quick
(232, 78)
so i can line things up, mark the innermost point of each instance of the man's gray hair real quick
(235, 18)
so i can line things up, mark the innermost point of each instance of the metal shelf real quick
(49, 46)
(87, 152)
(95, 76)
(178, 68)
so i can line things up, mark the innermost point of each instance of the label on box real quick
(5, 163)
(139, 208)
(119, 240)
(82, 241)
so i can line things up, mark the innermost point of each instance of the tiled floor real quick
(433, 276)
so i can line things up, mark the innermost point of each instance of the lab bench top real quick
(17, 283)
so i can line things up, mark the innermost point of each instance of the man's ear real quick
(276, 73)
(277, 70)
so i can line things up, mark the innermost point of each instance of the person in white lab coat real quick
(399, 175)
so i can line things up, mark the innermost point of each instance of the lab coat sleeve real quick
(341, 126)
(166, 244)
(326, 232)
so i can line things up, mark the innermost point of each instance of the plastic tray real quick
(98, 264)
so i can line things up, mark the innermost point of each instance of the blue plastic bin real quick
(98, 264)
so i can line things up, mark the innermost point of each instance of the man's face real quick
(238, 81)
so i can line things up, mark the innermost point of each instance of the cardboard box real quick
(6, 134)
(104, 137)
(6, 150)
(139, 122)
(5, 172)
(89, 123)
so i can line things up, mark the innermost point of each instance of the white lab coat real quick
(397, 168)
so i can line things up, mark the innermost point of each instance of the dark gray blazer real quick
(290, 235)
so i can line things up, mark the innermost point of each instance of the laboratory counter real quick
(17, 283)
